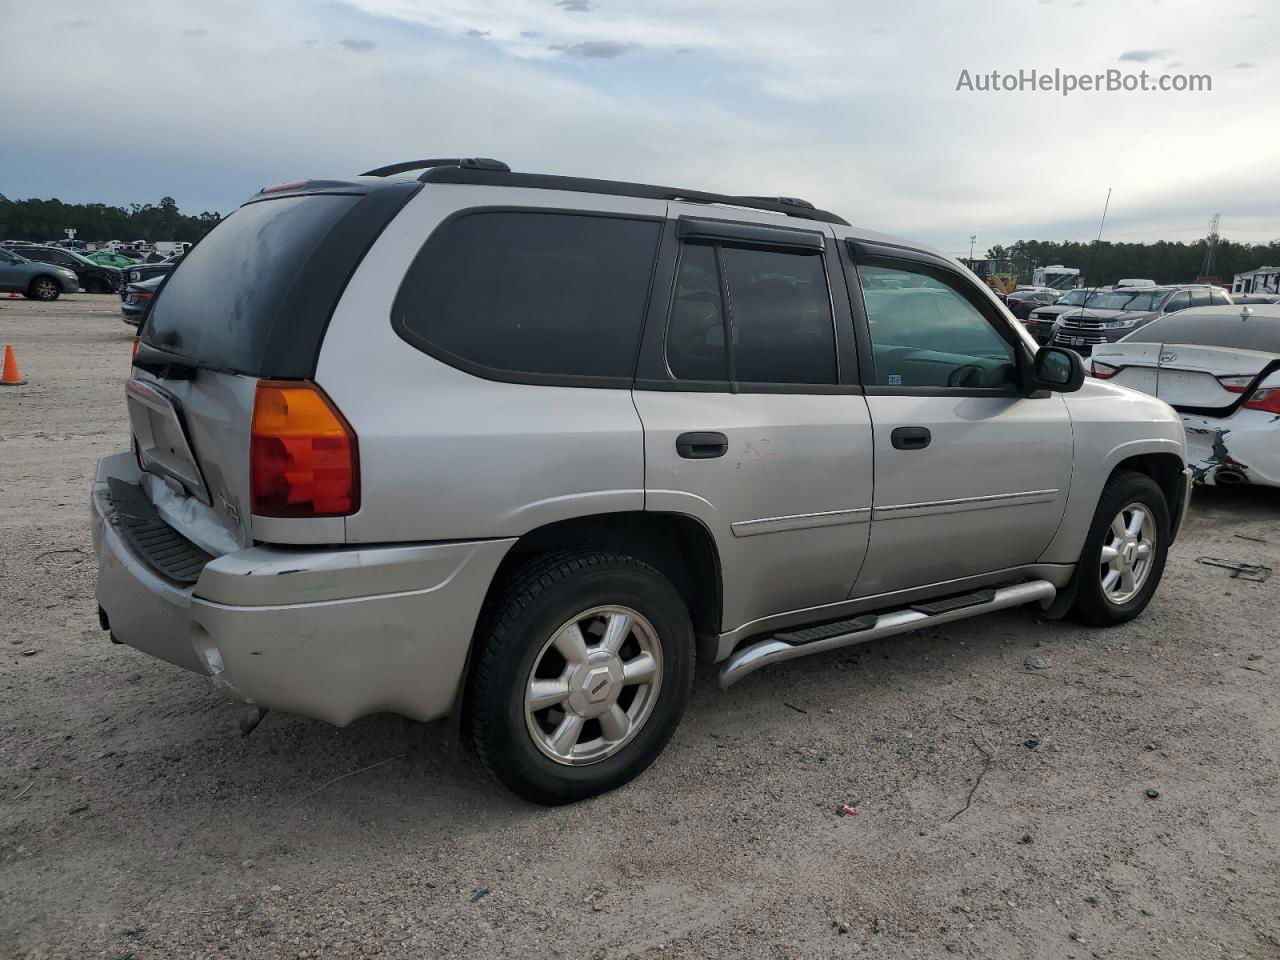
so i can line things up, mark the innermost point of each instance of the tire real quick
(96, 285)
(1097, 604)
(517, 643)
(44, 288)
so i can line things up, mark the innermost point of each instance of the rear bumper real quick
(329, 633)
(1243, 448)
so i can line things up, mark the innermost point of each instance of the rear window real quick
(1213, 330)
(531, 296)
(223, 302)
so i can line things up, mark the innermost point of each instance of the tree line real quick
(1163, 262)
(44, 220)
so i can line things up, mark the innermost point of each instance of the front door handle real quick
(910, 438)
(702, 446)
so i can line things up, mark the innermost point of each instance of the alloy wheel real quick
(1127, 553)
(593, 685)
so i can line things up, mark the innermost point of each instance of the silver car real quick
(521, 446)
(1110, 315)
(33, 279)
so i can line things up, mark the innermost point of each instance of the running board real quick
(801, 643)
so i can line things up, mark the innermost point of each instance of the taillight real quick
(302, 453)
(1103, 371)
(1235, 384)
(1267, 400)
(136, 341)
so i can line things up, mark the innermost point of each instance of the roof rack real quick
(486, 172)
(466, 163)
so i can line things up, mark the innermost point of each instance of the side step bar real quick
(801, 643)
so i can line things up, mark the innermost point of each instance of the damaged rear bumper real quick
(331, 633)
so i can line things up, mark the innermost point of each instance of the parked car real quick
(1041, 319)
(519, 445)
(1219, 367)
(1108, 317)
(137, 300)
(1022, 302)
(1251, 298)
(105, 258)
(93, 277)
(145, 271)
(34, 279)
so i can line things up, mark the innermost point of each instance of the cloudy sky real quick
(852, 105)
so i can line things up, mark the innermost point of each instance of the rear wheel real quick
(43, 288)
(584, 663)
(1124, 555)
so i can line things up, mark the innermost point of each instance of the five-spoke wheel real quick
(1127, 552)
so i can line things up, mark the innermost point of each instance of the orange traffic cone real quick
(10, 377)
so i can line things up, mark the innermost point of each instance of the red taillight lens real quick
(302, 453)
(1103, 371)
(1267, 400)
(1235, 384)
(136, 341)
(144, 294)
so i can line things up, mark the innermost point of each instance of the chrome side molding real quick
(752, 657)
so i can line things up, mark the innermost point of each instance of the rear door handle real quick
(910, 438)
(702, 446)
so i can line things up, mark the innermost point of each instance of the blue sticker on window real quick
(895, 379)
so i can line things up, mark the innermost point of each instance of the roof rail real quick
(467, 163)
(493, 173)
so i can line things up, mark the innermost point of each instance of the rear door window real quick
(779, 317)
(532, 296)
(1218, 298)
(1200, 298)
(224, 302)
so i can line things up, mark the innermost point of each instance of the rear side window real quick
(526, 295)
(223, 301)
(779, 317)
(1218, 298)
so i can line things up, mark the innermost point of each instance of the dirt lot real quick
(135, 821)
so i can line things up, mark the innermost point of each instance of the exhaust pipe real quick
(1229, 476)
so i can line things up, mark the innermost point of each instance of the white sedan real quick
(1219, 367)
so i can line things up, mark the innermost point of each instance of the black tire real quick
(1092, 604)
(96, 285)
(44, 288)
(523, 613)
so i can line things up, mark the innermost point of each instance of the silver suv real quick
(1108, 315)
(520, 446)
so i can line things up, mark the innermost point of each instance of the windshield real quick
(1126, 301)
(1075, 298)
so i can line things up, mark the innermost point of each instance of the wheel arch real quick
(678, 545)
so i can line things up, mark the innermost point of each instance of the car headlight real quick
(1120, 324)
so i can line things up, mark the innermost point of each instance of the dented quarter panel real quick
(1105, 419)
(1244, 446)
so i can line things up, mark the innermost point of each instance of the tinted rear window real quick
(1214, 330)
(222, 301)
(529, 295)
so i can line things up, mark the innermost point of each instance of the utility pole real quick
(972, 238)
(1210, 249)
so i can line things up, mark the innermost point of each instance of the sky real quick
(852, 105)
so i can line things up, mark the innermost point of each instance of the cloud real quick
(359, 46)
(195, 32)
(473, 32)
(1244, 65)
(1144, 56)
(575, 6)
(594, 49)
(530, 34)
(77, 23)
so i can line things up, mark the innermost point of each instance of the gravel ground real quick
(1004, 809)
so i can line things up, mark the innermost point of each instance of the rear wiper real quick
(166, 366)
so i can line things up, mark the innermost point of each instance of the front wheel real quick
(43, 288)
(96, 285)
(1124, 554)
(583, 665)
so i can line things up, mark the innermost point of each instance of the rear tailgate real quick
(251, 301)
(1206, 378)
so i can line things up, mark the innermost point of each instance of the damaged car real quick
(1219, 367)
(519, 447)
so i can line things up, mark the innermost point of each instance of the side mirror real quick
(1056, 369)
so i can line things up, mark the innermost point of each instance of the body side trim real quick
(800, 521)
(933, 507)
